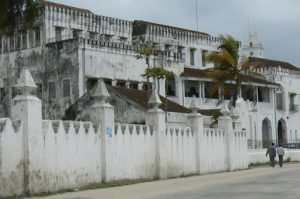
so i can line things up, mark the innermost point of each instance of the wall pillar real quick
(156, 119)
(225, 123)
(28, 109)
(102, 114)
(196, 123)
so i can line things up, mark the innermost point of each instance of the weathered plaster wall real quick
(133, 153)
(71, 156)
(11, 158)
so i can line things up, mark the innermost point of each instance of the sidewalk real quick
(157, 188)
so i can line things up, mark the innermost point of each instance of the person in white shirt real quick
(280, 152)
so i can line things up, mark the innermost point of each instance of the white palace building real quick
(71, 48)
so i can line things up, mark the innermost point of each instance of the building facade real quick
(70, 48)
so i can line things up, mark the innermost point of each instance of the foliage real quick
(146, 50)
(227, 68)
(15, 12)
(158, 73)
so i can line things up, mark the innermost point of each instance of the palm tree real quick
(15, 13)
(227, 68)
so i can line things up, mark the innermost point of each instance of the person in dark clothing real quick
(272, 154)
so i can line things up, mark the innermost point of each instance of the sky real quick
(277, 22)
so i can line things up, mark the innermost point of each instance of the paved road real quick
(257, 183)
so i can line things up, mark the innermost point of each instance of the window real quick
(121, 83)
(37, 37)
(52, 90)
(251, 44)
(191, 88)
(192, 56)
(66, 88)
(24, 39)
(204, 53)
(2, 95)
(167, 50)
(180, 51)
(263, 94)
(292, 102)
(171, 87)
(58, 33)
(251, 53)
(279, 101)
(39, 90)
(133, 85)
(208, 86)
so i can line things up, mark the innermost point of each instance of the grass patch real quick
(113, 184)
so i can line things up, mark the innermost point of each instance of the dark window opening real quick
(58, 33)
(66, 88)
(2, 96)
(37, 37)
(208, 86)
(52, 90)
(192, 56)
(133, 85)
(279, 101)
(24, 39)
(145, 86)
(170, 88)
(191, 88)
(39, 90)
(248, 93)
(121, 83)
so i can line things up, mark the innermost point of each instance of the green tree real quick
(227, 68)
(15, 13)
(146, 50)
(158, 73)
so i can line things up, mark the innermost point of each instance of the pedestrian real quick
(280, 152)
(272, 154)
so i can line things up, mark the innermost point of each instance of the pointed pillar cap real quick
(154, 100)
(101, 92)
(194, 107)
(224, 110)
(25, 83)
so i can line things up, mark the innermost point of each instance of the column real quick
(196, 123)
(156, 118)
(102, 114)
(28, 109)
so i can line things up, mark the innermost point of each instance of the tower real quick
(253, 47)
